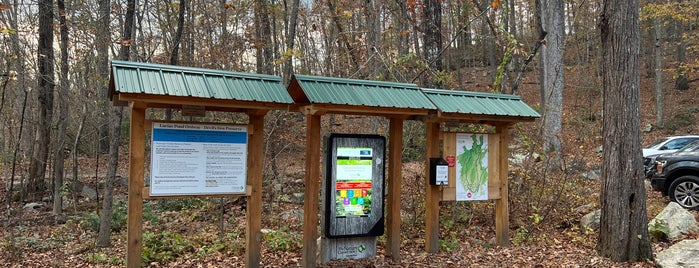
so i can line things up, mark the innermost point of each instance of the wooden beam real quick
(310, 204)
(432, 195)
(137, 150)
(254, 201)
(502, 209)
(178, 101)
(395, 175)
(146, 194)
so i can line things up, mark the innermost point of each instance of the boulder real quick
(32, 206)
(297, 198)
(678, 220)
(647, 128)
(591, 220)
(683, 254)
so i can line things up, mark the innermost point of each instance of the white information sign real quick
(198, 159)
(471, 167)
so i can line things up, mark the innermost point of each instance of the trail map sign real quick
(198, 159)
(471, 167)
(354, 185)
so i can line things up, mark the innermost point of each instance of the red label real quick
(451, 160)
(353, 185)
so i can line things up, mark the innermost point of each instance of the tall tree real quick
(658, 71)
(114, 134)
(290, 36)
(263, 36)
(552, 22)
(59, 151)
(623, 225)
(42, 136)
(432, 39)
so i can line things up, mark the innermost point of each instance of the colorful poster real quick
(471, 167)
(198, 159)
(353, 186)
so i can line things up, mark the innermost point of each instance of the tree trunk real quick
(263, 37)
(59, 151)
(623, 225)
(115, 137)
(658, 72)
(552, 19)
(432, 39)
(681, 83)
(42, 138)
(290, 37)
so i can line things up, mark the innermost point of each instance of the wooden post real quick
(395, 176)
(432, 195)
(137, 136)
(254, 181)
(310, 205)
(502, 209)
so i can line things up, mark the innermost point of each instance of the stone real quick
(647, 128)
(591, 174)
(591, 220)
(297, 198)
(683, 254)
(266, 231)
(88, 192)
(32, 206)
(584, 209)
(679, 221)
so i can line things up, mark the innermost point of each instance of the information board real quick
(471, 166)
(198, 159)
(354, 185)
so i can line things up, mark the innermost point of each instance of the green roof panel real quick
(159, 79)
(477, 103)
(342, 91)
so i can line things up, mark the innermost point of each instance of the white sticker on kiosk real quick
(441, 175)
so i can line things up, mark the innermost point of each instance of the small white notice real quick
(198, 159)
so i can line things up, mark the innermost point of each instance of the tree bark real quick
(292, 17)
(552, 19)
(432, 39)
(42, 137)
(263, 37)
(658, 72)
(623, 225)
(115, 137)
(59, 151)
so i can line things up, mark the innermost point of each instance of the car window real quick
(692, 146)
(656, 143)
(678, 143)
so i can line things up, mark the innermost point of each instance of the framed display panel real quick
(354, 199)
(198, 159)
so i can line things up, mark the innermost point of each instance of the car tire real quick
(685, 191)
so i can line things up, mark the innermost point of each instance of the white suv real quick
(668, 145)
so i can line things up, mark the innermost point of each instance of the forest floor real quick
(210, 232)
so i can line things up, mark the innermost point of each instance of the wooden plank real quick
(433, 193)
(395, 176)
(449, 147)
(137, 150)
(254, 202)
(494, 166)
(146, 194)
(310, 204)
(176, 102)
(502, 209)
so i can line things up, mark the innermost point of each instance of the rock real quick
(683, 254)
(277, 187)
(297, 198)
(266, 231)
(592, 174)
(647, 128)
(678, 220)
(584, 209)
(32, 206)
(121, 181)
(292, 215)
(88, 192)
(591, 220)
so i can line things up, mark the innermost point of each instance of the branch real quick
(541, 41)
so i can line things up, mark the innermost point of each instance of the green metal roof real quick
(477, 103)
(341, 91)
(159, 79)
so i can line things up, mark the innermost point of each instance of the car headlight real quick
(659, 166)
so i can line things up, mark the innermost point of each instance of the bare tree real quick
(552, 22)
(59, 152)
(114, 134)
(42, 138)
(624, 224)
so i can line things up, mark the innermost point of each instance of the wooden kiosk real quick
(195, 91)
(142, 86)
